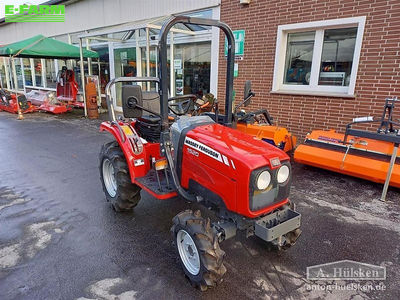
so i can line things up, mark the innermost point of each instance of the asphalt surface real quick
(59, 239)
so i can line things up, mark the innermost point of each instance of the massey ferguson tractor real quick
(245, 181)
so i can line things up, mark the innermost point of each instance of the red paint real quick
(230, 182)
(13, 106)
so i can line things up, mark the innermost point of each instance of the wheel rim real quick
(109, 177)
(188, 252)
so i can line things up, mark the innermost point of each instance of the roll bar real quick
(163, 70)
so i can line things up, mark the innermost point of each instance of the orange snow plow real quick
(359, 153)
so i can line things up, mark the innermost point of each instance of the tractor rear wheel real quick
(198, 248)
(114, 175)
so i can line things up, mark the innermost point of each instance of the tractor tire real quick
(115, 179)
(198, 249)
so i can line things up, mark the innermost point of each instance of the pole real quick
(99, 84)
(89, 60)
(389, 173)
(171, 65)
(147, 56)
(15, 87)
(82, 76)
(139, 71)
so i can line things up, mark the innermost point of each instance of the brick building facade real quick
(378, 69)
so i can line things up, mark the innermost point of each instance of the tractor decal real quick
(203, 148)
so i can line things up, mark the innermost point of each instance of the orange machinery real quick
(260, 126)
(359, 153)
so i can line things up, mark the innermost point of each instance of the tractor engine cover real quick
(183, 125)
(223, 166)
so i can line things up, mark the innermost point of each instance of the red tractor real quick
(245, 181)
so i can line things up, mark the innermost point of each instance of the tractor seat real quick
(149, 125)
(151, 101)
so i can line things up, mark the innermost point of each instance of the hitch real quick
(280, 227)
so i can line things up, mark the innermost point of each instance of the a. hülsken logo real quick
(35, 13)
(346, 270)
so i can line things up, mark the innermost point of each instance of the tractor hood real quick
(230, 146)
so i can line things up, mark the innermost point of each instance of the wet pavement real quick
(59, 239)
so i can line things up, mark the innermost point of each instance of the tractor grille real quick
(273, 194)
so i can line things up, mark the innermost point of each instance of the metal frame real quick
(163, 70)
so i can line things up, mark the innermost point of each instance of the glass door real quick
(124, 66)
(153, 61)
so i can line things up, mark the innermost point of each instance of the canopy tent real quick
(43, 47)
(40, 46)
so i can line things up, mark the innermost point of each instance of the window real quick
(152, 66)
(104, 66)
(76, 67)
(337, 56)
(318, 58)
(27, 71)
(18, 73)
(3, 73)
(124, 65)
(192, 64)
(37, 63)
(299, 53)
(51, 74)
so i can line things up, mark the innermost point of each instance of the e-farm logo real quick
(35, 13)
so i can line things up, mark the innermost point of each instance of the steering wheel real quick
(183, 105)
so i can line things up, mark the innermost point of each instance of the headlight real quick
(263, 180)
(283, 174)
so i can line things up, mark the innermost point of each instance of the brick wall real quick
(378, 73)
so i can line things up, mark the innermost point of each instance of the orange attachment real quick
(275, 135)
(361, 157)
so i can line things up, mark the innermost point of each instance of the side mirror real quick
(247, 93)
(132, 101)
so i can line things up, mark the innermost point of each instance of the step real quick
(150, 182)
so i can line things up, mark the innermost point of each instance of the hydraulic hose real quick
(178, 186)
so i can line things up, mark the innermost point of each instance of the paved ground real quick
(60, 240)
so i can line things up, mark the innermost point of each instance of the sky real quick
(16, 3)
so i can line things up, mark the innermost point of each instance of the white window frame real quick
(313, 88)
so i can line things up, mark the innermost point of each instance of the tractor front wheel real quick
(114, 174)
(198, 248)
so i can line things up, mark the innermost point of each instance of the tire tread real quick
(128, 194)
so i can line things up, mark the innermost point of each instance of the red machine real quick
(67, 88)
(8, 102)
(46, 101)
(246, 182)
